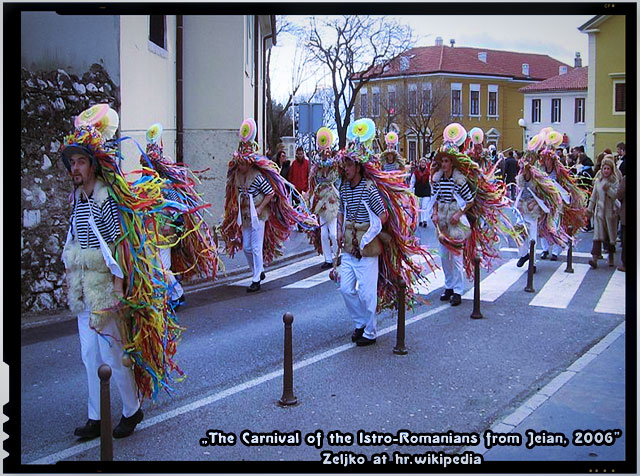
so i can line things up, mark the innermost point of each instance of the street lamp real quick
(523, 124)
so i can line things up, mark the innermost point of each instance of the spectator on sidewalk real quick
(622, 157)
(421, 186)
(602, 209)
(621, 197)
(510, 172)
(283, 163)
(298, 173)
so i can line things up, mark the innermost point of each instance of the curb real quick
(41, 320)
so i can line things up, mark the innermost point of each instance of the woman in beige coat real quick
(602, 208)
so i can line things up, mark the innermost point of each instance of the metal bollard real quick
(400, 349)
(106, 443)
(532, 255)
(288, 398)
(569, 268)
(476, 314)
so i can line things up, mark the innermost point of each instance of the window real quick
(412, 99)
(413, 150)
(391, 99)
(375, 102)
(492, 103)
(535, 110)
(556, 112)
(474, 100)
(157, 29)
(619, 97)
(456, 99)
(364, 103)
(426, 99)
(579, 110)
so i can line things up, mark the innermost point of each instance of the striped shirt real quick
(171, 194)
(354, 197)
(258, 186)
(446, 188)
(107, 219)
(390, 167)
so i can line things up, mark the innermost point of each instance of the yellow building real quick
(426, 88)
(606, 100)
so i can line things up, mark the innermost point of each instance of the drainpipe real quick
(264, 92)
(179, 93)
(256, 64)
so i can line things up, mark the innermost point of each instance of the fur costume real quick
(602, 204)
(452, 236)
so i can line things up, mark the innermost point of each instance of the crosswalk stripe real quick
(436, 279)
(612, 300)
(575, 254)
(285, 271)
(310, 281)
(560, 288)
(494, 285)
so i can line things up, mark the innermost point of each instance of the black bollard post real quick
(569, 268)
(106, 443)
(476, 314)
(532, 256)
(400, 349)
(288, 398)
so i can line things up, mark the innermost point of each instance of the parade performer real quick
(324, 197)
(188, 248)
(376, 229)
(113, 275)
(392, 160)
(468, 210)
(538, 203)
(258, 215)
(602, 209)
(572, 216)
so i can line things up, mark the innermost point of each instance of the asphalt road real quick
(459, 374)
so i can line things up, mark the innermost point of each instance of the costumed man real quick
(188, 247)
(324, 197)
(95, 280)
(258, 215)
(376, 207)
(392, 160)
(572, 216)
(538, 203)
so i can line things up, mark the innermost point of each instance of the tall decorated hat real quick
(324, 141)
(154, 142)
(360, 136)
(247, 147)
(93, 128)
(453, 137)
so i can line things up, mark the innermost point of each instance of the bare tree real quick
(354, 49)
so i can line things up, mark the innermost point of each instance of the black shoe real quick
(446, 295)
(90, 430)
(262, 276)
(554, 257)
(363, 341)
(357, 333)
(534, 269)
(326, 265)
(544, 255)
(522, 260)
(128, 424)
(255, 286)
(456, 299)
(181, 301)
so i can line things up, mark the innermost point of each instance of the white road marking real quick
(560, 288)
(574, 253)
(495, 285)
(285, 271)
(612, 300)
(310, 281)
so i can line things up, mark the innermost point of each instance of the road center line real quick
(85, 446)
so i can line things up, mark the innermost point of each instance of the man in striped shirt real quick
(255, 194)
(360, 219)
(95, 282)
(453, 198)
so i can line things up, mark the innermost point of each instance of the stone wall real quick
(50, 102)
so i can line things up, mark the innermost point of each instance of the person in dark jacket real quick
(421, 188)
(510, 172)
(283, 163)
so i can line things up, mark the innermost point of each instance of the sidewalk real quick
(235, 268)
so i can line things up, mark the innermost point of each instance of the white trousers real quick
(97, 350)
(252, 241)
(555, 249)
(175, 289)
(360, 300)
(452, 268)
(329, 239)
(424, 213)
(532, 226)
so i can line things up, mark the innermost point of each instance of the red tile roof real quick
(462, 60)
(575, 80)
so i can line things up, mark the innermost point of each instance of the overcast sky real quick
(554, 35)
